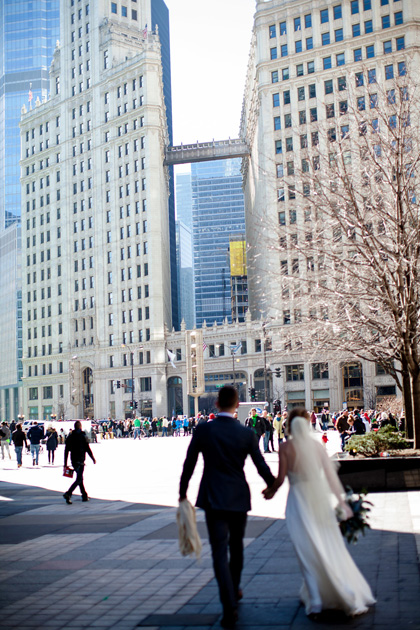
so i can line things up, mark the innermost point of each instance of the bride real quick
(331, 578)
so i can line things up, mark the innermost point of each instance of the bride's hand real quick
(347, 511)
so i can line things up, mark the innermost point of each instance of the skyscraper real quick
(310, 61)
(28, 33)
(218, 213)
(95, 203)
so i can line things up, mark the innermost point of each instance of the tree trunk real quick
(415, 388)
(407, 399)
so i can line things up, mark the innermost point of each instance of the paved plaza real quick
(114, 562)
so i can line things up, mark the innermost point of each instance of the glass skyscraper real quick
(29, 30)
(160, 17)
(218, 213)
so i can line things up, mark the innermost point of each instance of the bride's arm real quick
(334, 481)
(269, 493)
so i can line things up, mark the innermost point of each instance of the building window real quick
(337, 12)
(272, 31)
(370, 51)
(283, 50)
(308, 21)
(320, 371)
(325, 39)
(357, 54)
(355, 30)
(309, 43)
(368, 26)
(273, 53)
(387, 47)
(295, 372)
(386, 21)
(327, 63)
(297, 24)
(398, 18)
(340, 59)
(400, 43)
(354, 7)
(283, 28)
(324, 16)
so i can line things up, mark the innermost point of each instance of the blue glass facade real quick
(29, 30)
(160, 16)
(218, 213)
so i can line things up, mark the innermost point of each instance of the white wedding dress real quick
(331, 578)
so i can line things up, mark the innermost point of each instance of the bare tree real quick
(354, 277)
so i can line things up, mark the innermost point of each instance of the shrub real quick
(373, 443)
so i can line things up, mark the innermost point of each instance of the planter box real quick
(381, 474)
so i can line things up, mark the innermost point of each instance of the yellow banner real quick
(238, 258)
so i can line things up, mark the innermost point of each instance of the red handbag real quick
(68, 472)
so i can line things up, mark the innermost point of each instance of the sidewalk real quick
(111, 564)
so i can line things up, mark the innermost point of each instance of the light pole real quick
(132, 376)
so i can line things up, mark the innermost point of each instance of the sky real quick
(210, 42)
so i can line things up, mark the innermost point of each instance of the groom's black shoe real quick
(229, 619)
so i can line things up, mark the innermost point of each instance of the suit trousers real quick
(78, 468)
(226, 532)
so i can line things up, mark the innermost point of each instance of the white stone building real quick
(95, 232)
(305, 56)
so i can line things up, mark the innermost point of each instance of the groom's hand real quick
(269, 492)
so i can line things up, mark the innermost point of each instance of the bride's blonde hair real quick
(297, 412)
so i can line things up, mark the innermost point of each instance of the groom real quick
(224, 493)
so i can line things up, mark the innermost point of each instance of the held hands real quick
(269, 492)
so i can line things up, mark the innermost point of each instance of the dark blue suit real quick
(224, 494)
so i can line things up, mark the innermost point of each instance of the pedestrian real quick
(325, 419)
(52, 443)
(256, 423)
(324, 438)
(278, 427)
(137, 428)
(154, 427)
(77, 446)
(224, 493)
(342, 427)
(35, 435)
(267, 430)
(165, 424)
(185, 425)
(271, 438)
(5, 437)
(19, 439)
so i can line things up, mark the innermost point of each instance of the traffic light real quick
(277, 406)
(118, 384)
(135, 405)
(278, 372)
(252, 393)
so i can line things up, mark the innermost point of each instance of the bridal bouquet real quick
(351, 527)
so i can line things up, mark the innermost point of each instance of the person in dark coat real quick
(224, 493)
(52, 443)
(19, 439)
(77, 445)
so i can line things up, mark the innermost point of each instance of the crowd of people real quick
(270, 428)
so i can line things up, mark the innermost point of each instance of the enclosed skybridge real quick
(206, 151)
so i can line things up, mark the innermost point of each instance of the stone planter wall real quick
(381, 474)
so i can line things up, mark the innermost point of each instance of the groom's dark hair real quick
(227, 398)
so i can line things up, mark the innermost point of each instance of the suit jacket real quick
(225, 445)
